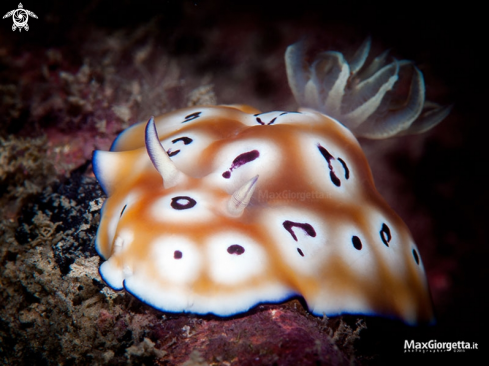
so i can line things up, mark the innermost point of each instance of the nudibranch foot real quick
(359, 94)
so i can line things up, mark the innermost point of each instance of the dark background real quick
(442, 180)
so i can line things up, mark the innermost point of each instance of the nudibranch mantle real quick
(217, 209)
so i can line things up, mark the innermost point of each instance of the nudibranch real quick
(216, 209)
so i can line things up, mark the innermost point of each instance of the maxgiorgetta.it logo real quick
(20, 17)
(434, 346)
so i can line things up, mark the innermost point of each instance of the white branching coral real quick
(360, 95)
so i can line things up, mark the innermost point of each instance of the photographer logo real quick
(20, 17)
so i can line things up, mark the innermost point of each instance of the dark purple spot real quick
(336, 181)
(123, 209)
(177, 254)
(281, 114)
(357, 243)
(288, 225)
(241, 160)
(326, 154)
(328, 158)
(177, 204)
(236, 249)
(186, 141)
(191, 117)
(345, 167)
(300, 252)
(385, 234)
(258, 119)
(416, 257)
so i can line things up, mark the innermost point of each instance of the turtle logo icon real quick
(20, 17)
